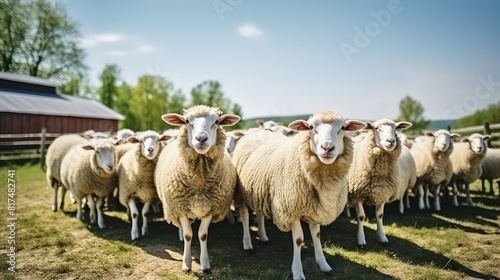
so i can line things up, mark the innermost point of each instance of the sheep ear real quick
(429, 133)
(486, 137)
(403, 125)
(88, 147)
(121, 141)
(132, 139)
(454, 135)
(174, 119)
(260, 123)
(165, 137)
(228, 120)
(466, 139)
(299, 125)
(354, 125)
(369, 125)
(238, 134)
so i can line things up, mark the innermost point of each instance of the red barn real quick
(27, 104)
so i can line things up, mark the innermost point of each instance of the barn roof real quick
(17, 96)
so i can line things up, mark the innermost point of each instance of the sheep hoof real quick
(207, 271)
(250, 251)
(329, 272)
(362, 246)
(385, 244)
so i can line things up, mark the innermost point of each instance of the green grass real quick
(455, 243)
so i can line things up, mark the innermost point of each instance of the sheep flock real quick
(309, 171)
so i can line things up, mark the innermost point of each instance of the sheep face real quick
(104, 153)
(202, 128)
(327, 139)
(477, 142)
(442, 139)
(385, 133)
(150, 143)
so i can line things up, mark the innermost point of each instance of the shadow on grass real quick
(468, 219)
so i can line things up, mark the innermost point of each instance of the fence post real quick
(42, 149)
(487, 130)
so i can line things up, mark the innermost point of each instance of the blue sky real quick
(297, 57)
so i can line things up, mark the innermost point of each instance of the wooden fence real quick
(491, 129)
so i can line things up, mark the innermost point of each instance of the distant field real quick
(458, 243)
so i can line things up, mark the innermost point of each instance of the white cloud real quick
(93, 40)
(117, 53)
(146, 48)
(249, 30)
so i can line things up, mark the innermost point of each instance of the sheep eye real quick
(338, 132)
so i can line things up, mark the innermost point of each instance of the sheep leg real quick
(145, 212)
(79, 209)
(490, 181)
(426, 196)
(100, 217)
(245, 222)
(230, 216)
(55, 188)
(470, 203)
(401, 206)
(188, 235)
(72, 198)
(298, 240)
(261, 228)
(134, 233)
(360, 215)
(379, 215)
(348, 212)
(421, 205)
(91, 204)
(407, 198)
(203, 236)
(63, 195)
(318, 251)
(455, 193)
(181, 235)
(483, 186)
(437, 204)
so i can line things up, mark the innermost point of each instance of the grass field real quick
(457, 243)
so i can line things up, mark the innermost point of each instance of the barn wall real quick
(29, 123)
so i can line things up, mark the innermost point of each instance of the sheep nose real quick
(202, 137)
(151, 149)
(391, 140)
(328, 146)
(110, 166)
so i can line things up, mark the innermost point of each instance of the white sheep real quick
(467, 158)
(123, 134)
(232, 138)
(374, 174)
(290, 179)
(136, 176)
(490, 168)
(194, 177)
(408, 176)
(434, 170)
(266, 124)
(88, 170)
(53, 159)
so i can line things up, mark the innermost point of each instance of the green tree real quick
(149, 101)
(77, 85)
(210, 93)
(123, 105)
(39, 39)
(109, 88)
(412, 111)
(490, 114)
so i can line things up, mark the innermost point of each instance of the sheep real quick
(466, 160)
(55, 154)
(123, 134)
(490, 168)
(283, 130)
(408, 176)
(266, 124)
(405, 140)
(88, 170)
(136, 175)
(432, 157)
(374, 175)
(232, 138)
(290, 179)
(194, 177)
